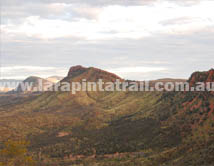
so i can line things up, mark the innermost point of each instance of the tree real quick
(14, 153)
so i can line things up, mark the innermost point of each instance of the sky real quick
(136, 39)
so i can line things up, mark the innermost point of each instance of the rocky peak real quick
(76, 70)
(90, 74)
(207, 76)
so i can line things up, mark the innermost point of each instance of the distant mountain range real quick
(7, 85)
(90, 74)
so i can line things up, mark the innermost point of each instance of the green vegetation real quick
(111, 128)
(14, 153)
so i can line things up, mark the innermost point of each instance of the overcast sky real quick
(136, 39)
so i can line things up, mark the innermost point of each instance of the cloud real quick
(179, 54)
(61, 11)
(93, 23)
(99, 2)
(180, 20)
(22, 72)
(83, 2)
(136, 69)
(187, 2)
(176, 35)
(128, 72)
(86, 12)
(15, 10)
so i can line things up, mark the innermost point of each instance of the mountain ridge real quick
(205, 76)
(78, 73)
(161, 128)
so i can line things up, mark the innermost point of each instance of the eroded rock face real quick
(76, 70)
(91, 74)
(202, 77)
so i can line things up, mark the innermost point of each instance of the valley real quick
(112, 128)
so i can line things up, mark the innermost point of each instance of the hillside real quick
(77, 73)
(114, 128)
(33, 84)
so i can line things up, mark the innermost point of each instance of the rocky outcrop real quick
(204, 77)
